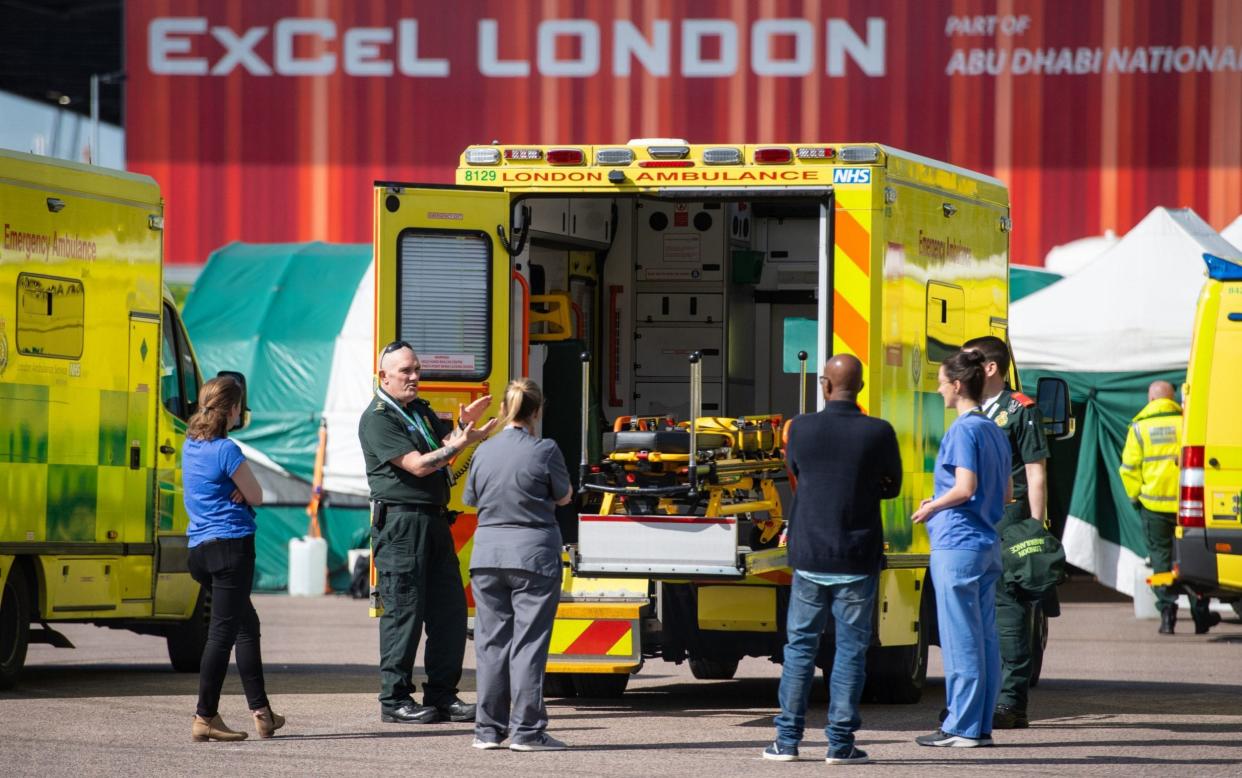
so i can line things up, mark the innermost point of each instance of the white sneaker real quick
(545, 742)
(485, 745)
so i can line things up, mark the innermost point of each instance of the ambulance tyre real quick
(14, 626)
(601, 686)
(1237, 608)
(896, 674)
(187, 640)
(558, 685)
(713, 669)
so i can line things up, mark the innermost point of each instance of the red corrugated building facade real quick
(268, 121)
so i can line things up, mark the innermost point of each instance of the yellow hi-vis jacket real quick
(1149, 462)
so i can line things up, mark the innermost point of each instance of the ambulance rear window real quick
(50, 316)
(444, 302)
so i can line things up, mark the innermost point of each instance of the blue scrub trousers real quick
(965, 583)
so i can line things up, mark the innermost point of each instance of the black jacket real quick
(845, 463)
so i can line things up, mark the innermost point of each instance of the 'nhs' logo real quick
(851, 175)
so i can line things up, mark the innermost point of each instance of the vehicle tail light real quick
(666, 163)
(528, 155)
(1190, 506)
(565, 157)
(773, 155)
(483, 156)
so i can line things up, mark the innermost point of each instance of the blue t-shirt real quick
(207, 467)
(974, 442)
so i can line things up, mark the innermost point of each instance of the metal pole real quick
(94, 118)
(586, 416)
(696, 400)
(801, 382)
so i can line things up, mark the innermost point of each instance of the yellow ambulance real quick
(1208, 543)
(97, 380)
(610, 274)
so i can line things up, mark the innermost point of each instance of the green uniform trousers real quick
(1014, 617)
(419, 583)
(1158, 530)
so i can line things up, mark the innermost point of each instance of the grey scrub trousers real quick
(515, 573)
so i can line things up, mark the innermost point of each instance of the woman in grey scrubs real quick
(516, 481)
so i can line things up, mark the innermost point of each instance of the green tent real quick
(297, 320)
(1025, 281)
(1110, 329)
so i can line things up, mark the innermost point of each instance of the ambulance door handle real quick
(564, 216)
(167, 449)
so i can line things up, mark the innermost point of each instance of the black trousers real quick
(421, 587)
(226, 569)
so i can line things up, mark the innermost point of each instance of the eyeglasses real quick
(823, 379)
(396, 345)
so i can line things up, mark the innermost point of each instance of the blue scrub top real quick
(974, 442)
(207, 468)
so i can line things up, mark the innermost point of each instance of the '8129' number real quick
(480, 175)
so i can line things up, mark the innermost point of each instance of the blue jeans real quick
(965, 583)
(853, 608)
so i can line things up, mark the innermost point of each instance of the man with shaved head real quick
(408, 450)
(1149, 471)
(845, 463)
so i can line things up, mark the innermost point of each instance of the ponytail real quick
(216, 401)
(523, 399)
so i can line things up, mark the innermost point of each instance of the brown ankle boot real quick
(213, 729)
(267, 722)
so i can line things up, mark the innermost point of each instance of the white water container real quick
(308, 566)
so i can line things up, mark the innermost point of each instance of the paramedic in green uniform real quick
(408, 451)
(1018, 416)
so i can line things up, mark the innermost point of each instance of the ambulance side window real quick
(946, 320)
(170, 374)
(179, 377)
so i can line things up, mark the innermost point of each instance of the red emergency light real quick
(566, 157)
(666, 163)
(773, 155)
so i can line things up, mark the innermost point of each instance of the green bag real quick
(1033, 559)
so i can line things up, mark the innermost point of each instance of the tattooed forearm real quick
(440, 456)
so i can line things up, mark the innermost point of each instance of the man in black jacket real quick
(845, 463)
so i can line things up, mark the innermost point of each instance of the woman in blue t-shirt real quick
(971, 488)
(220, 495)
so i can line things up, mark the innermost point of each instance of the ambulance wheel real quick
(896, 674)
(558, 685)
(1039, 642)
(601, 686)
(14, 626)
(1237, 608)
(187, 640)
(713, 669)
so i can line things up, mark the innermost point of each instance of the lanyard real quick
(419, 424)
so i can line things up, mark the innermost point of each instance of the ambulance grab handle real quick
(696, 409)
(802, 355)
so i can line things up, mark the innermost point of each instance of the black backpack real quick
(360, 578)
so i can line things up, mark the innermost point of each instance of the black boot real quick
(1168, 619)
(1204, 617)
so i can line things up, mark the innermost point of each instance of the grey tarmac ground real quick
(1116, 699)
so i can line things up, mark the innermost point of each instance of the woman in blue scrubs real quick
(971, 488)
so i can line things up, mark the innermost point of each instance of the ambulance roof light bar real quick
(722, 156)
(566, 157)
(524, 154)
(668, 152)
(773, 155)
(483, 156)
(860, 154)
(615, 156)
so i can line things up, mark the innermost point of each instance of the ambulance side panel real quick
(80, 301)
(1212, 557)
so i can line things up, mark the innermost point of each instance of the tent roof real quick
(1233, 233)
(1131, 309)
(1069, 258)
